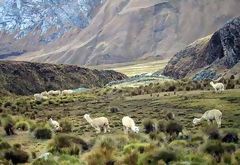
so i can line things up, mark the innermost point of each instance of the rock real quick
(209, 57)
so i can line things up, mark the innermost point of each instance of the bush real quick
(229, 147)
(213, 133)
(16, 156)
(170, 116)
(161, 125)
(114, 109)
(149, 126)
(67, 144)
(214, 148)
(43, 133)
(173, 128)
(66, 126)
(230, 137)
(7, 104)
(161, 155)
(23, 125)
(4, 145)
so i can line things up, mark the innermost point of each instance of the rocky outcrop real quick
(210, 57)
(26, 78)
(128, 30)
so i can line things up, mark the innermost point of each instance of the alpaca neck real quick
(213, 85)
(89, 120)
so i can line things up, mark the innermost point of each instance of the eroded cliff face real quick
(26, 78)
(210, 57)
(128, 30)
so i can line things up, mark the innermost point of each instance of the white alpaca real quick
(210, 115)
(54, 93)
(98, 123)
(54, 124)
(67, 92)
(45, 93)
(39, 97)
(217, 86)
(128, 123)
(45, 156)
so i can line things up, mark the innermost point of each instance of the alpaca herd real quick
(45, 95)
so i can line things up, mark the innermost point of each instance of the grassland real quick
(136, 68)
(185, 106)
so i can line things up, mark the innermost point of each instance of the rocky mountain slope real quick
(27, 78)
(127, 30)
(210, 57)
(32, 24)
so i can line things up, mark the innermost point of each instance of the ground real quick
(136, 68)
(185, 106)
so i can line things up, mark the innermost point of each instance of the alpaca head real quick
(135, 129)
(212, 83)
(86, 116)
(196, 121)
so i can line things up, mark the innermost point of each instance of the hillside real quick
(210, 57)
(128, 30)
(25, 78)
(27, 26)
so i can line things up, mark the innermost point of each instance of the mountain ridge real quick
(25, 78)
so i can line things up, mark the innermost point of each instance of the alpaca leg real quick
(98, 130)
(209, 122)
(108, 128)
(105, 128)
(218, 121)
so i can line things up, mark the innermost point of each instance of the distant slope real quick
(27, 78)
(210, 57)
(126, 30)
(29, 25)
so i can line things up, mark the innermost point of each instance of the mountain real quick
(26, 78)
(211, 57)
(28, 25)
(128, 30)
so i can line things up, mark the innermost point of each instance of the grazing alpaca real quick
(210, 116)
(39, 97)
(128, 123)
(98, 123)
(54, 124)
(67, 92)
(217, 87)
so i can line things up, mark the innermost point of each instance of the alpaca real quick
(210, 115)
(128, 123)
(98, 123)
(40, 97)
(217, 86)
(54, 124)
(67, 92)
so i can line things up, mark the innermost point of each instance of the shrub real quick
(7, 104)
(230, 137)
(131, 158)
(49, 161)
(43, 133)
(173, 128)
(23, 125)
(160, 155)
(4, 145)
(149, 126)
(66, 126)
(237, 156)
(214, 148)
(68, 144)
(114, 109)
(213, 133)
(161, 125)
(229, 147)
(16, 156)
(170, 116)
